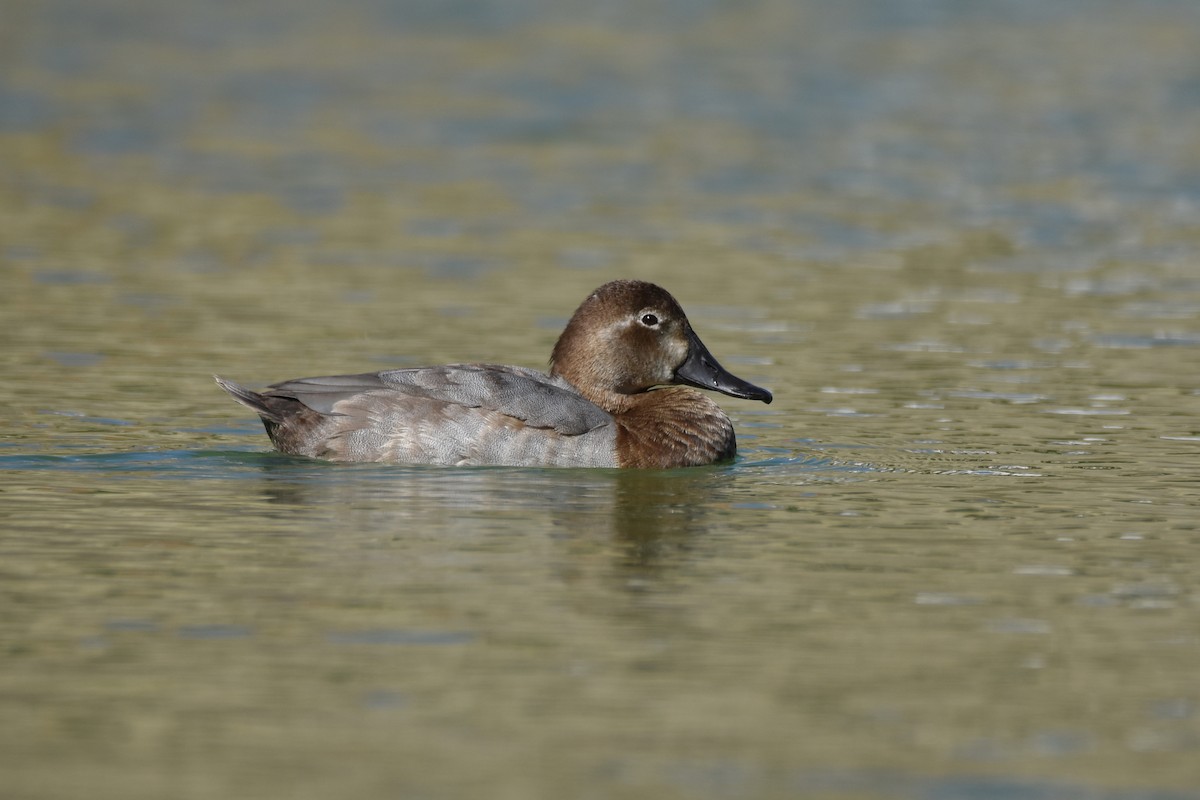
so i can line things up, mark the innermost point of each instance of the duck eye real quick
(649, 320)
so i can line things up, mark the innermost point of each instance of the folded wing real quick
(456, 414)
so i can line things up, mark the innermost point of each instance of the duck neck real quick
(581, 361)
(610, 401)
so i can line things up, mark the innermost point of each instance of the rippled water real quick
(957, 557)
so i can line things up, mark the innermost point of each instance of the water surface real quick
(956, 557)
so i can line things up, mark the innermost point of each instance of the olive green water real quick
(958, 557)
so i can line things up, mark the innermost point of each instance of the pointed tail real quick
(252, 400)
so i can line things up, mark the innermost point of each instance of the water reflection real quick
(651, 514)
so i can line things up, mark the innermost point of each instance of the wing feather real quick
(534, 398)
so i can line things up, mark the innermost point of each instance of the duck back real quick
(460, 415)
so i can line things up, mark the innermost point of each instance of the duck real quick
(620, 392)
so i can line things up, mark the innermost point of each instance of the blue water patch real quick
(163, 463)
(131, 626)
(456, 267)
(22, 111)
(21, 252)
(489, 16)
(585, 258)
(133, 138)
(69, 277)
(983, 788)
(215, 632)
(384, 699)
(312, 198)
(729, 779)
(776, 458)
(555, 324)
(1133, 341)
(76, 360)
(401, 636)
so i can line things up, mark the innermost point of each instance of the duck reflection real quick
(651, 516)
